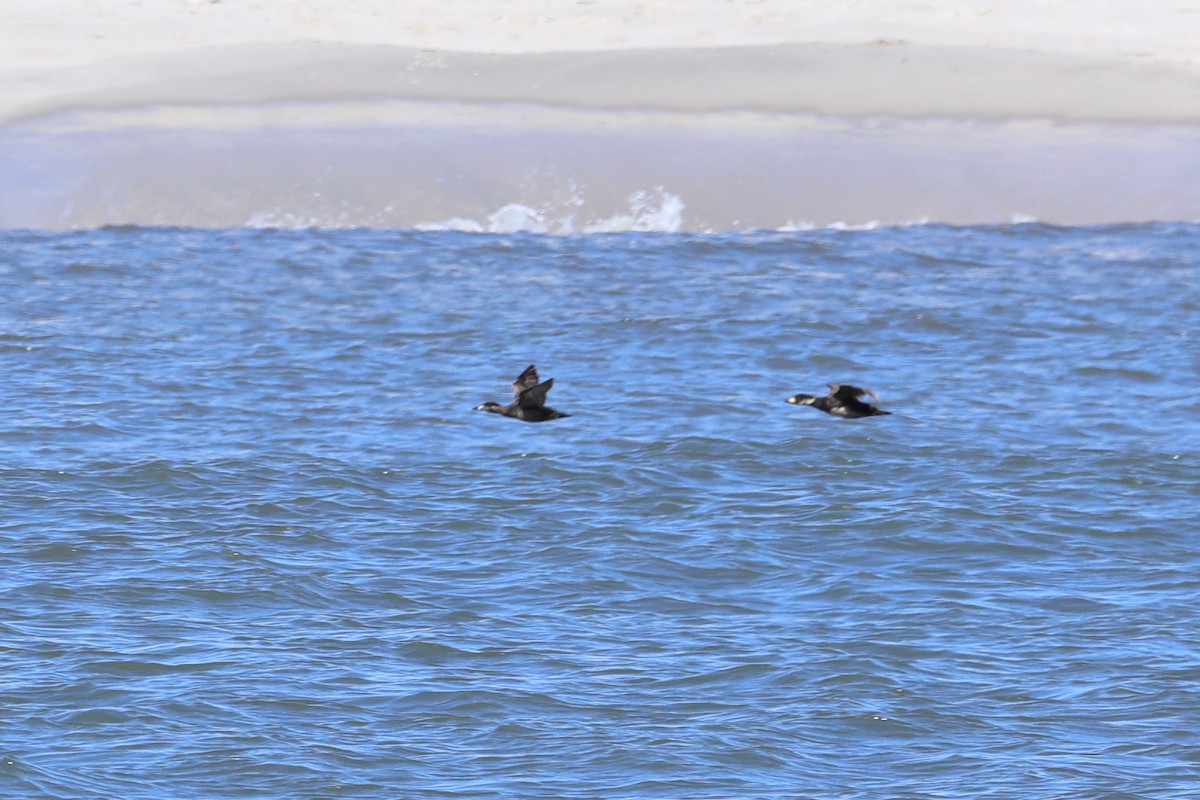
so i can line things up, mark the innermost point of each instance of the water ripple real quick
(256, 542)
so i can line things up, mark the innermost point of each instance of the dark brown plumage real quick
(842, 401)
(529, 404)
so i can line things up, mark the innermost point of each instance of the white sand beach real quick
(218, 112)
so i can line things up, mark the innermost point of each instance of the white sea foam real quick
(280, 219)
(657, 210)
(840, 225)
(452, 224)
(648, 211)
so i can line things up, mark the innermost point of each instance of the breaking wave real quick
(658, 211)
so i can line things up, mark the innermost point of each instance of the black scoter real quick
(530, 403)
(842, 401)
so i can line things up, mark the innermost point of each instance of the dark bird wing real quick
(846, 393)
(534, 396)
(526, 380)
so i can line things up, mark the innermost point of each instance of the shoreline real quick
(739, 114)
(566, 174)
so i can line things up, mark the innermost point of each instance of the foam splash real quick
(659, 211)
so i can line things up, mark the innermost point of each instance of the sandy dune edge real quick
(881, 79)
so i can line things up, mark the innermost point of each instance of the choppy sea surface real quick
(255, 542)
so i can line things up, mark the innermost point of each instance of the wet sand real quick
(744, 131)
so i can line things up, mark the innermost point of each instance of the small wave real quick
(1017, 220)
(839, 225)
(280, 219)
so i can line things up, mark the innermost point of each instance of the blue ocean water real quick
(255, 542)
